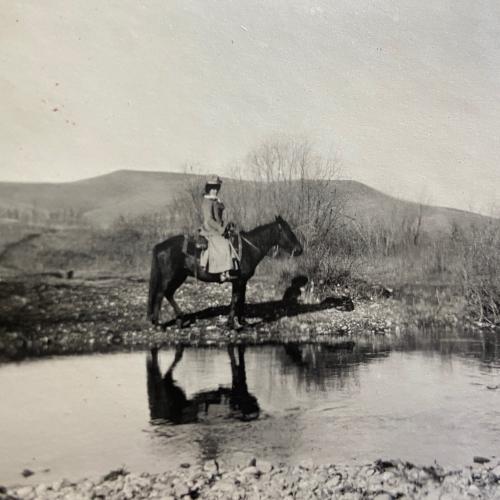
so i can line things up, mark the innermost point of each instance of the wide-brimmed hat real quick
(214, 180)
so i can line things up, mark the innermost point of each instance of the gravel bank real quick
(382, 480)
(46, 316)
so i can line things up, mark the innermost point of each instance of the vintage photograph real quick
(249, 249)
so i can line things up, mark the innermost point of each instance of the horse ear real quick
(278, 218)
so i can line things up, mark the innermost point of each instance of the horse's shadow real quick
(268, 312)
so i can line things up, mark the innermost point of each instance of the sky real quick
(404, 94)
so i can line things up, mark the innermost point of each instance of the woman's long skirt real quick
(220, 254)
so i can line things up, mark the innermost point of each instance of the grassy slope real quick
(102, 198)
(125, 192)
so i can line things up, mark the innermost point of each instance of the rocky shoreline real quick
(48, 315)
(381, 480)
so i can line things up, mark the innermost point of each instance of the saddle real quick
(195, 244)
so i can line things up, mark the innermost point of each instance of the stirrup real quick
(226, 276)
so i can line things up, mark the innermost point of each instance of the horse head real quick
(287, 239)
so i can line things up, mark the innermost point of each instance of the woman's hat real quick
(214, 180)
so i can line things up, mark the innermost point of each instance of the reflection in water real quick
(323, 367)
(423, 398)
(482, 346)
(168, 401)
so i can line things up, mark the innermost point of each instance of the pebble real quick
(382, 496)
(225, 485)
(251, 470)
(474, 490)
(261, 479)
(25, 492)
(40, 490)
(265, 467)
(496, 472)
(211, 467)
(181, 489)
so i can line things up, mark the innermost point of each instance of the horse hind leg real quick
(171, 288)
(157, 300)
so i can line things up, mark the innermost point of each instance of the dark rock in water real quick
(185, 465)
(435, 472)
(381, 465)
(70, 274)
(115, 474)
(481, 460)
(27, 473)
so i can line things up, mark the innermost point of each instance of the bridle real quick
(275, 247)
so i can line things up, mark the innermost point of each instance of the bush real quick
(480, 276)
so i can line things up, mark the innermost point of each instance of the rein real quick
(255, 246)
(250, 243)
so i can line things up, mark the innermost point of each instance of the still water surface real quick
(84, 415)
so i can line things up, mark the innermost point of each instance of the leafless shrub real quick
(286, 176)
(480, 272)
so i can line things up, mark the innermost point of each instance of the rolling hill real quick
(100, 200)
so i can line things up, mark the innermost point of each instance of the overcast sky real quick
(405, 93)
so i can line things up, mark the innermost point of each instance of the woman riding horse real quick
(170, 265)
(219, 256)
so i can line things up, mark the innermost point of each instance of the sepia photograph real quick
(249, 249)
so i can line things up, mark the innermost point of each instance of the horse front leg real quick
(240, 304)
(237, 303)
(232, 307)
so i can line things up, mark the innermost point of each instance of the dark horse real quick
(171, 266)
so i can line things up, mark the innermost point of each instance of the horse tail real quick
(154, 283)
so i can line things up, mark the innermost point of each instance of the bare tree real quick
(287, 177)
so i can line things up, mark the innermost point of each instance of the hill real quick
(100, 200)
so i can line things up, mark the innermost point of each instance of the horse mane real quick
(259, 229)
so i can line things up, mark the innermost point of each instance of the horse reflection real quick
(243, 404)
(168, 401)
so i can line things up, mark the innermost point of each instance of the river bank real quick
(382, 480)
(48, 315)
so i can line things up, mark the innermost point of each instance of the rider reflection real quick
(168, 401)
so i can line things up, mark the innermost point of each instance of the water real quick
(85, 415)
